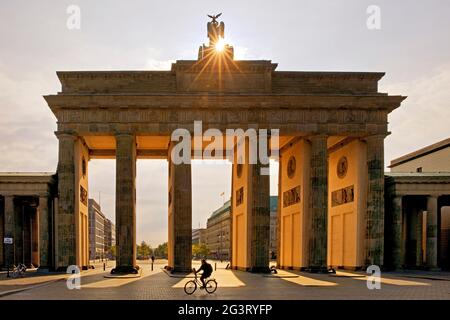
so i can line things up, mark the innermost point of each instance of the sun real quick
(220, 45)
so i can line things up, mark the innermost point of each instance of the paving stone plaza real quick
(232, 285)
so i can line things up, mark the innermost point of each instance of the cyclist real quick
(207, 272)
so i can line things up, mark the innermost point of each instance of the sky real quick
(411, 46)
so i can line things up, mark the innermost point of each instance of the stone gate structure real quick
(332, 128)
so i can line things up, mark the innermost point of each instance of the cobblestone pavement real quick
(32, 278)
(158, 284)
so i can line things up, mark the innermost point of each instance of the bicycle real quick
(19, 270)
(191, 285)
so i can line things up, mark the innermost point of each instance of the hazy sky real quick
(412, 47)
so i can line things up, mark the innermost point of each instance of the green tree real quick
(143, 250)
(200, 250)
(161, 251)
(112, 250)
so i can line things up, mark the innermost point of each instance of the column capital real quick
(374, 137)
(124, 133)
(316, 137)
(65, 134)
(43, 199)
(45, 194)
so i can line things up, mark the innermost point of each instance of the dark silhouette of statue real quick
(214, 17)
(215, 29)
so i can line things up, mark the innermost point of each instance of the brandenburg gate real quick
(332, 127)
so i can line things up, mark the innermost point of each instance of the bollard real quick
(152, 266)
(215, 266)
(104, 266)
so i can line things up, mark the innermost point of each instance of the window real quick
(419, 169)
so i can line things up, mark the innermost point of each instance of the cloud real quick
(423, 117)
(26, 125)
(153, 64)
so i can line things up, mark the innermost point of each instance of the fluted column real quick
(26, 225)
(318, 203)
(419, 232)
(19, 212)
(432, 222)
(375, 201)
(9, 215)
(43, 227)
(125, 204)
(397, 250)
(180, 216)
(259, 218)
(34, 219)
(65, 228)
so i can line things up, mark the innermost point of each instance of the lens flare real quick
(220, 45)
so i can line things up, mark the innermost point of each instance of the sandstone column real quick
(18, 231)
(43, 230)
(180, 216)
(9, 214)
(34, 218)
(125, 203)
(375, 201)
(318, 204)
(65, 229)
(259, 218)
(432, 222)
(397, 250)
(26, 225)
(419, 228)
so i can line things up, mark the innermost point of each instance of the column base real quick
(61, 269)
(433, 268)
(184, 270)
(316, 269)
(125, 270)
(43, 269)
(396, 268)
(259, 270)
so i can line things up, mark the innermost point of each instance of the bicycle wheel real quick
(211, 286)
(15, 273)
(190, 287)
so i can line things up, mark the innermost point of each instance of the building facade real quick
(199, 236)
(418, 209)
(218, 231)
(110, 238)
(27, 219)
(101, 233)
(96, 231)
